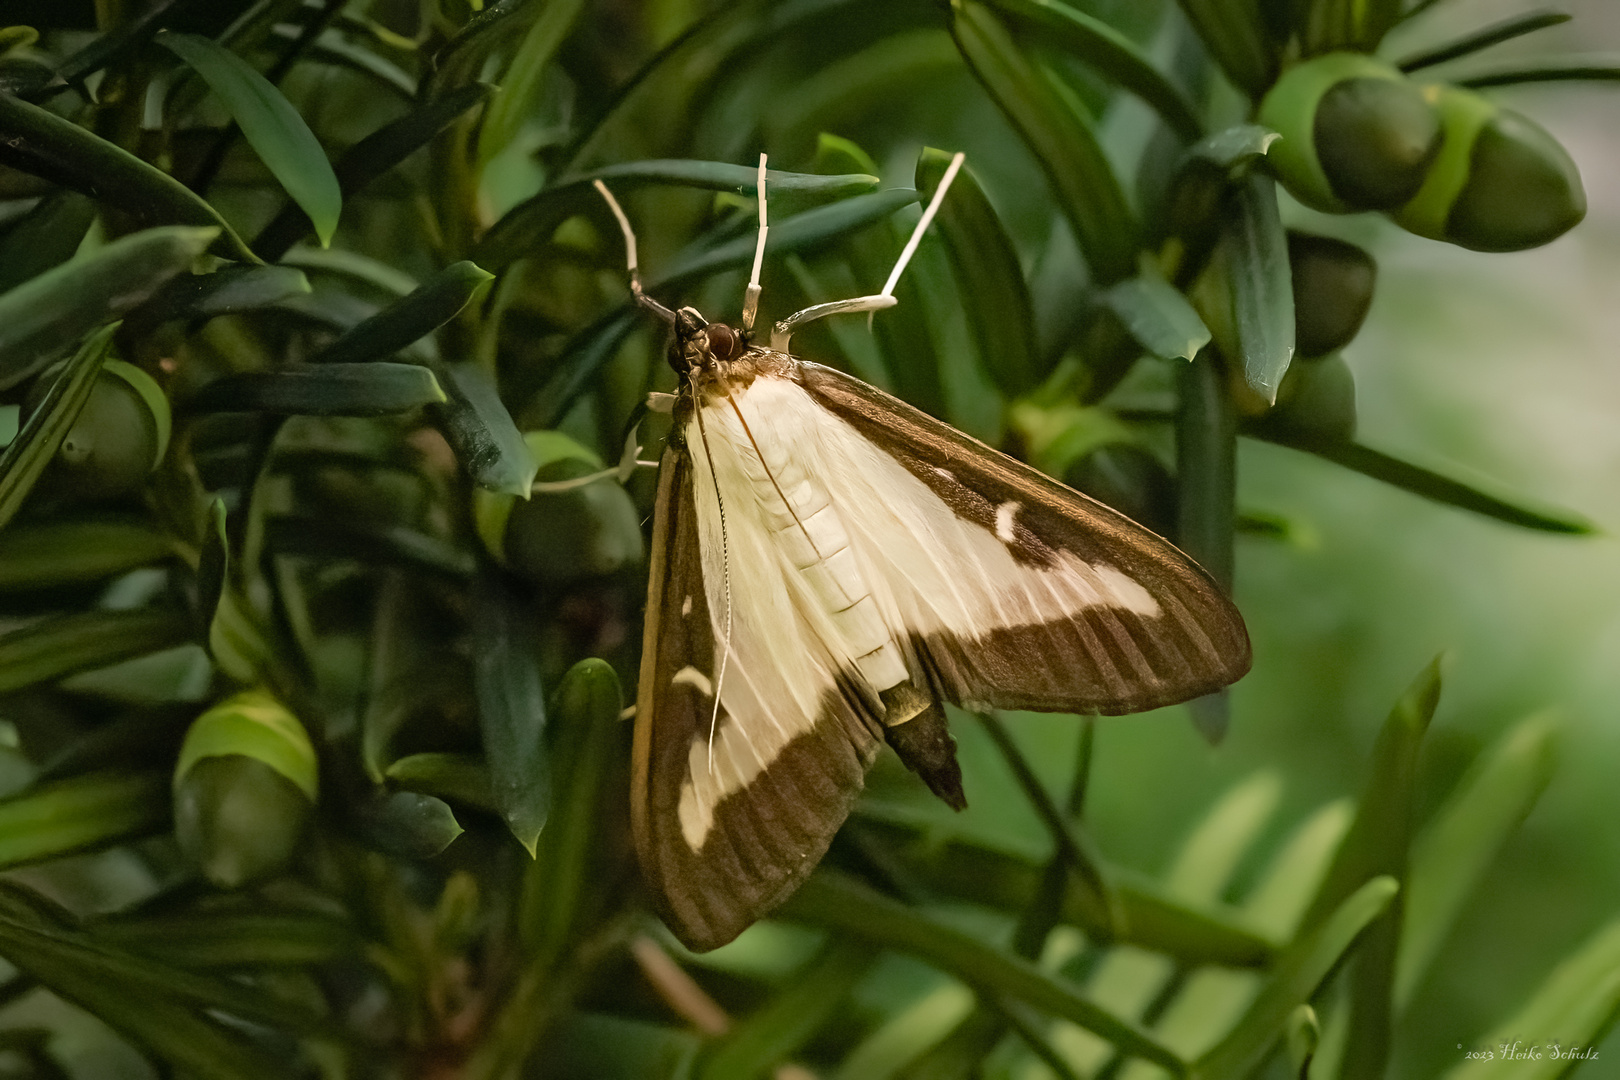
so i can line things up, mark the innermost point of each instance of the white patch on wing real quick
(686, 606)
(1004, 521)
(691, 676)
(866, 556)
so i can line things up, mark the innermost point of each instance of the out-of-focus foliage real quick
(319, 585)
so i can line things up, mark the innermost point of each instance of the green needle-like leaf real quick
(1262, 288)
(1088, 193)
(1377, 845)
(224, 292)
(845, 906)
(521, 82)
(51, 648)
(208, 939)
(1234, 33)
(429, 307)
(36, 555)
(1452, 854)
(374, 389)
(511, 707)
(1506, 30)
(41, 143)
(45, 315)
(271, 126)
(1158, 317)
(462, 778)
(1571, 1010)
(1604, 68)
(370, 158)
(988, 275)
(28, 454)
(46, 236)
(1299, 971)
(1437, 488)
(80, 814)
(481, 431)
(792, 1016)
(1111, 53)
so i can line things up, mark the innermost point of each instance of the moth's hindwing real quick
(1154, 629)
(712, 878)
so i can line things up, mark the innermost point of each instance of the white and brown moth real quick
(830, 566)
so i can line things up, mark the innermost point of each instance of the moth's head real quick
(700, 344)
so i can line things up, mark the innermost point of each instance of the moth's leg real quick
(630, 255)
(751, 296)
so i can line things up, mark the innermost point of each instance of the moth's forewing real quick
(1108, 658)
(764, 839)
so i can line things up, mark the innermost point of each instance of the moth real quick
(830, 567)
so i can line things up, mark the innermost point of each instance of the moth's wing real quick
(726, 832)
(1018, 592)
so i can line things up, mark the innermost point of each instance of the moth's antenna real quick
(923, 222)
(783, 330)
(751, 297)
(630, 255)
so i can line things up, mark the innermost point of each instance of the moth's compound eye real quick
(723, 341)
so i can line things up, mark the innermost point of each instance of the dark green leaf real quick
(42, 317)
(232, 940)
(27, 455)
(400, 324)
(1452, 854)
(1262, 288)
(46, 236)
(1158, 317)
(1441, 489)
(271, 126)
(41, 143)
(161, 1020)
(511, 706)
(1378, 844)
(86, 812)
(845, 906)
(1152, 919)
(1355, 25)
(563, 886)
(37, 555)
(988, 275)
(1063, 142)
(374, 389)
(22, 929)
(1572, 1009)
(480, 430)
(462, 778)
(1234, 33)
(51, 648)
(1299, 971)
(405, 825)
(224, 292)
(1548, 69)
(1206, 493)
(370, 158)
(530, 224)
(794, 1014)
(369, 542)
(1494, 34)
(333, 48)
(521, 81)
(1110, 52)
(1071, 845)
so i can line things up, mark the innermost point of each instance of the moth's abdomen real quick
(807, 528)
